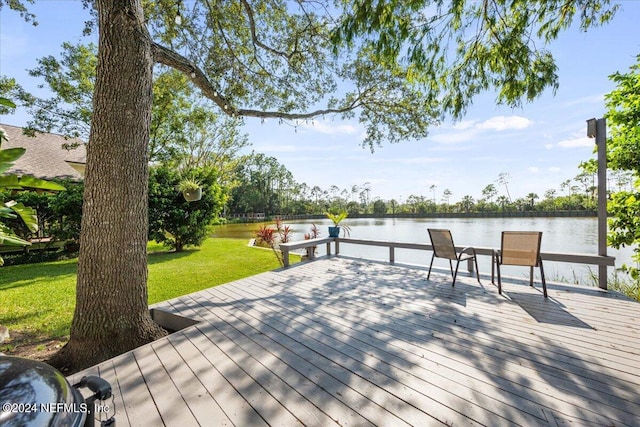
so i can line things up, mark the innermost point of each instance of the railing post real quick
(337, 246)
(392, 257)
(470, 265)
(285, 256)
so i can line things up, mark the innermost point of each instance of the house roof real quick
(46, 156)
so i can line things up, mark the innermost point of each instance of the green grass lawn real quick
(37, 300)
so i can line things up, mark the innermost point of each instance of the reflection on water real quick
(567, 235)
(237, 231)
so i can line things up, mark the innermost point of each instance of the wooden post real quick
(598, 129)
(601, 140)
(285, 256)
(392, 254)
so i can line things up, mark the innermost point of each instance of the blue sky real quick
(539, 145)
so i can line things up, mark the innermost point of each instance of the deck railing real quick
(599, 260)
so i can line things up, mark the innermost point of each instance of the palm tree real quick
(446, 195)
(365, 192)
(489, 192)
(503, 179)
(467, 203)
(393, 203)
(316, 192)
(551, 196)
(502, 201)
(354, 190)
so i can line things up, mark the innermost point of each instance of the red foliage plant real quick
(274, 236)
(314, 233)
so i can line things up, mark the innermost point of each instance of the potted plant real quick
(191, 189)
(337, 219)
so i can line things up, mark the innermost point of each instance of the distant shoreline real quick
(523, 214)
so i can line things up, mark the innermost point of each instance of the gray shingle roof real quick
(45, 156)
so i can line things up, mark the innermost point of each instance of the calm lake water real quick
(568, 235)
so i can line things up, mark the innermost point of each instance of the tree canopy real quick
(455, 50)
(399, 66)
(623, 146)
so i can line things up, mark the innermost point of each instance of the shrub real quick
(66, 208)
(175, 222)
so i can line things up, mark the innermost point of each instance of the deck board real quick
(107, 372)
(342, 341)
(194, 395)
(139, 405)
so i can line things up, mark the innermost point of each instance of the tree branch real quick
(254, 36)
(165, 56)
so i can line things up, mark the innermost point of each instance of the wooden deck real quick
(341, 341)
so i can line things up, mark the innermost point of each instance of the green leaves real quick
(27, 214)
(7, 103)
(11, 209)
(459, 49)
(7, 157)
(623, 120)
(8, 237)
(623, 154)
(402, 65)
(174, 221)
(14, 182)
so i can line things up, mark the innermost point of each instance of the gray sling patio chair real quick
(520, 248)
(443, 247)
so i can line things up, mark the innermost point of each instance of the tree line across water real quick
(266, 186)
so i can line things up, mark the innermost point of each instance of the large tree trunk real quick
(111, 314)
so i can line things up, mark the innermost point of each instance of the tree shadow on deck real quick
(549, 311)
(376, 343)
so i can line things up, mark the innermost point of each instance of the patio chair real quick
(443, 247)
(520, 248)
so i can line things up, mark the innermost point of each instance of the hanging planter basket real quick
(192, 195)
(191, 190)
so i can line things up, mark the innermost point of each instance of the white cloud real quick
(329, 128)
(454, 137)
(533, 169)
(422, 160)
(276, 148)
(501, 123)
(575, 143)
(555, 169)
(591, 99)
(464, 124)
(470, 129)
